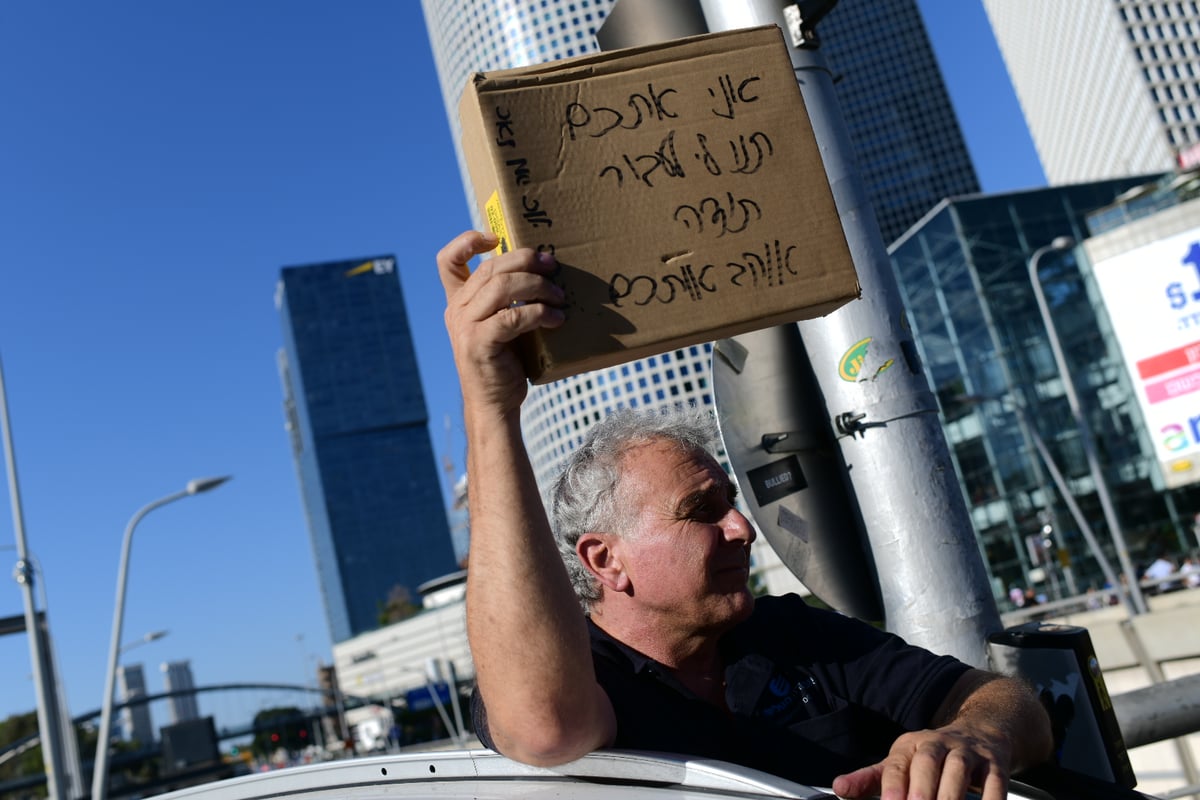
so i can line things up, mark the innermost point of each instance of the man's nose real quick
(738, 528)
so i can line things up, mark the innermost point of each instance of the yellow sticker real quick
(852, 360)
(495, 221)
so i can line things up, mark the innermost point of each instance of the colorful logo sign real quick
(379, 266)
(1152, 295)
(850, 368)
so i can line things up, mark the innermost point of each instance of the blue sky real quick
(159, 162)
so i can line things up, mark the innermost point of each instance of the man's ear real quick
(600, 553)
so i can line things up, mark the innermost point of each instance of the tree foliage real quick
(284, 726)
(399, 606)
(12, 730)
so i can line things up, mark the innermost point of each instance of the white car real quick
(455, 774)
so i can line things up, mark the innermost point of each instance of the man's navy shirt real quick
(811, 694)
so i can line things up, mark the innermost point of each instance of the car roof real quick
(484, 774)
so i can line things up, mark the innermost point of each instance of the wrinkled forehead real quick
(665, 465)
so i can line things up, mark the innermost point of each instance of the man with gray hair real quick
(650, 638)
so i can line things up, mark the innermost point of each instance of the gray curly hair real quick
(585, 495)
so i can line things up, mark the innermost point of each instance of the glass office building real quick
(963, 271)
(910, 148)
(356, 415)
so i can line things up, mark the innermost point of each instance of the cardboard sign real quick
(679, 186)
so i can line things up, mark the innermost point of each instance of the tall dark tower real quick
(910, 150)
(358, 425)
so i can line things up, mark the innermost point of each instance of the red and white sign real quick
(1152, 294)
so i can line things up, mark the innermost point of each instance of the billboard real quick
(1152, 294)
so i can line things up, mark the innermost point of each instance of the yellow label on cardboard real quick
(495, 221)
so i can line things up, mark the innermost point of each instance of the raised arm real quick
(527, 632)
(987, 728)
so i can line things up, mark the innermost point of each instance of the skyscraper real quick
(177, 677)
(1108, 87)
(356, 416)
(477, 35)
(910, 149)
(135, 720)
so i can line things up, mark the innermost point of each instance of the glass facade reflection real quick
(963, 274)
(358, 425)
(910, 149)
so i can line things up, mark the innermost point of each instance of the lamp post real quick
(1085, 434)
(100, 771)
(49, 710)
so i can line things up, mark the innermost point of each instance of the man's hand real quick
(528, 634)
(506, 296)
(987, 727)
(939, 764)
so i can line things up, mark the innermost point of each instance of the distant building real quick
(910, 148)
(387, 664)
(963, 271)
(476, 35)
(356, 416)
(177, 677)
(136, 724)
(1109, 87)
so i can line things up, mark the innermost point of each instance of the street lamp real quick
(1085, 432)
(100, 771)
(62, 772)
(152, 636)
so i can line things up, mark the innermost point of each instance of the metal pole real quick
(452, 679)
(1085, 431)
(48, 711)
(434, 678)
(1134, 640)
(100, 771)
(891, 438)
(68, 742)
(1080, 520)
(431, 687)
(1159, 712)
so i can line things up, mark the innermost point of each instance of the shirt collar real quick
(730, 647)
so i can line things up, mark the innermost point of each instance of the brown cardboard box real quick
(678, 185)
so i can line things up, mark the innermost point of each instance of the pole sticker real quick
(850, 368)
